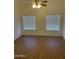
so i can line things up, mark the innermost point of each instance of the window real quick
(53, 22)
(29, 22)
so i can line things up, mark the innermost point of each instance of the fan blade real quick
(44, 1)
(43, 5)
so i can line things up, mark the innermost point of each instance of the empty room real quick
(39, 29)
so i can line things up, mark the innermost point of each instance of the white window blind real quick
(29, 22)
(53, 22)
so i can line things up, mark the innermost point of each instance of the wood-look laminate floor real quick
(37, 47)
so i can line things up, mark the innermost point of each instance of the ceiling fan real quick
(38, 4)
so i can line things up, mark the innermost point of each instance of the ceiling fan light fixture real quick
(36, 5)
(39, 5)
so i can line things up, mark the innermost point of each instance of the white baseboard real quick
(17, 36)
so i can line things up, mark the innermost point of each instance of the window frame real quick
(30, 29)
(52, 30)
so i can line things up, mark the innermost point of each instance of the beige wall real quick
(54, 7)
(17, 21)
(64, 32)
(64, 29)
